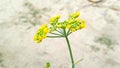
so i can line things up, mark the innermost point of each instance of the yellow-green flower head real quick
(76, 25)
(71, 20)
(62, 24)
(41, 33)
(54, 19)
(74, 15)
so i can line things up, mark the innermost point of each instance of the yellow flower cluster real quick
(74, 15)
(54, 19)
(53, 22)
(73, 23)
(41, 33)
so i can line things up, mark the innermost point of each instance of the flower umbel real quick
(41, 33)
(72, 24)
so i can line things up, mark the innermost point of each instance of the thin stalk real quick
(55, 36)
(59, 31)
(69, 47)
(69, 33)
(78, 61)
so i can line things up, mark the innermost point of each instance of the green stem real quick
(55, 36)
(69, 33)
(70, 50)
(59, 31)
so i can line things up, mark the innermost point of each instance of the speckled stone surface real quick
(18, 50)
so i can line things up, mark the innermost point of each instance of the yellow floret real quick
(71, 21)
(59, 25)
(58, 16)
(75, 15)
(35, 38)
(68, 26)
(73, 30)
(53, 19)
(83, 25)
(78, 19)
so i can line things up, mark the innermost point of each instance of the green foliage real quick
(48, 65)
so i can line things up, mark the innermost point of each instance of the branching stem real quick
(69, 47)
